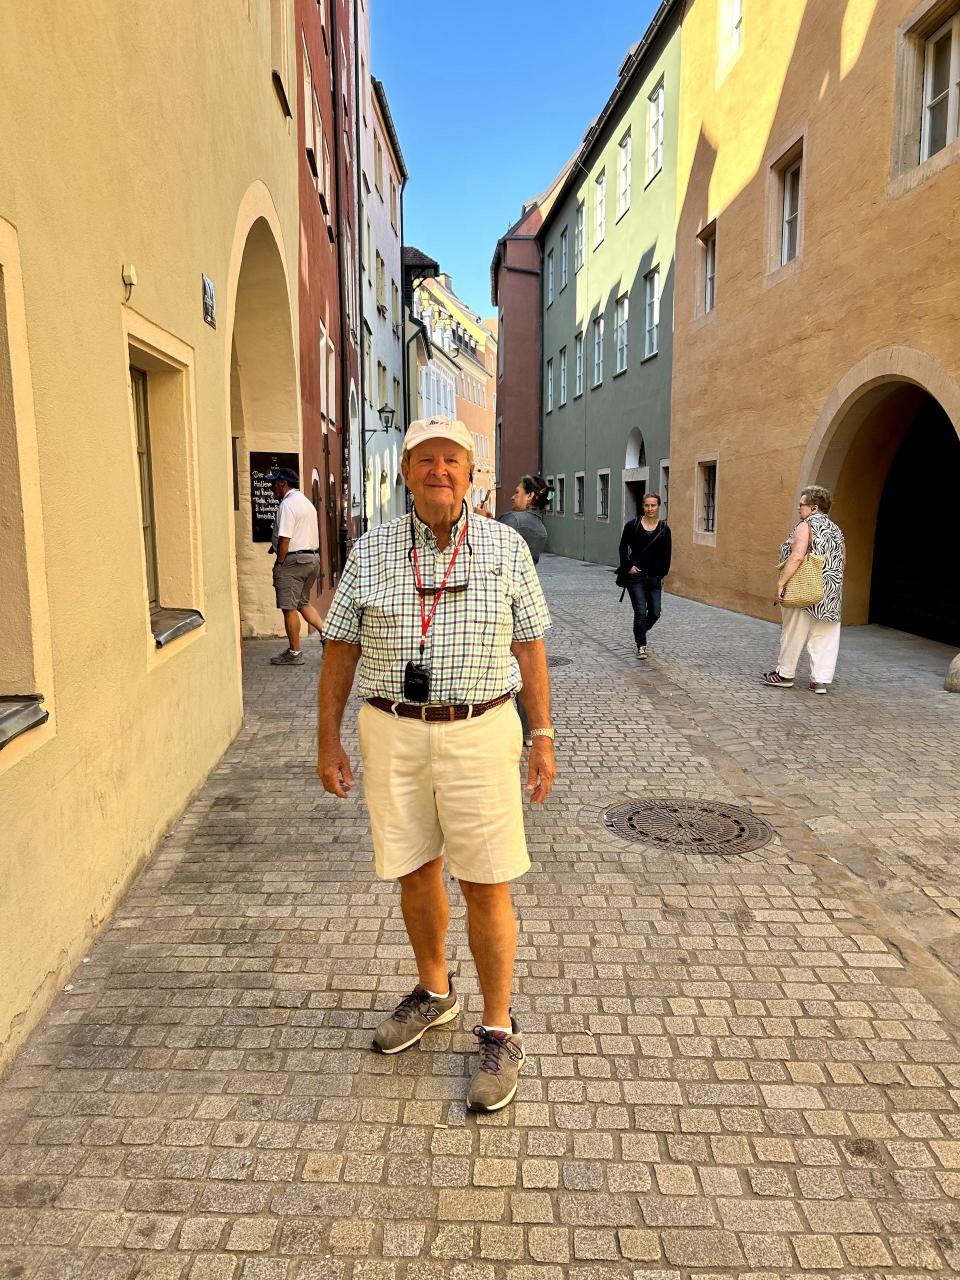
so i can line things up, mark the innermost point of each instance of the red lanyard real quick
(427, 618)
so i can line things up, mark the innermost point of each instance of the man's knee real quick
(428, 874)
(486, 897)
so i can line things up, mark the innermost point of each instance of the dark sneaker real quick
(641, 651)
(816, 687)
(775, 678)
(495, 1081)
(415, 1014)
(287, 659)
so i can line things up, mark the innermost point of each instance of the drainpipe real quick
(338, 183)
(362, 347)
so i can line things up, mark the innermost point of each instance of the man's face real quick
(279, 489)
(437, 473)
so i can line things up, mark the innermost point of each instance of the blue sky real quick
(488, 106)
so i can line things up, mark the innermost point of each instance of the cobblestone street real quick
(744, 1065)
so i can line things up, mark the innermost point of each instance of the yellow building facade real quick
(816, 318)
(148, 179)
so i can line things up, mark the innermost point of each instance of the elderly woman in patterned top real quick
(818, 626)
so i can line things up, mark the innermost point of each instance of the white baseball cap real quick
(437, 428)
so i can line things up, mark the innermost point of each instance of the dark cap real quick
(286, 475)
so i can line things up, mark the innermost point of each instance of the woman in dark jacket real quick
(645, 551)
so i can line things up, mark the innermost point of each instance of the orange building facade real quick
(817, 331)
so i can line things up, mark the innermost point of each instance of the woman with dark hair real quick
(530, 499)
(645, 552)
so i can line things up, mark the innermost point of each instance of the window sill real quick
(652, 356)
(621, 372)
(606, 519)
(916, 175)
(782, 271)
(653, 177)
(704, 539)
(597, 385)
(578, 515)
(20, 712)
(622, 215)
(170, 624)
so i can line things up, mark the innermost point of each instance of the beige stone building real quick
(816, 318)
(148, 180)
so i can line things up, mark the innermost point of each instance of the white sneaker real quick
(641, 651)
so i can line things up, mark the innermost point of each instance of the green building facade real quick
(607, 307)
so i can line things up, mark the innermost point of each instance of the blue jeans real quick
(645, 595)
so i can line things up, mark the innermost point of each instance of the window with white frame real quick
(791, 179)
(578, 365)
(563, 376)
(624, 174)
(578, 494)
(378, 165)
(620, 331)
(664, 487)
(550, 494)
(708, 245)
(707, 496)
(603, 495)
(549, 277)
(941, 88)
(578, 233)
(598, 351)
(655, 109)
(549, 385)
(651, 313)
(564, 246)
(600, 208)
(559, 496)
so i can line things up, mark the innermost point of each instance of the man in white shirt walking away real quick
(297, 566)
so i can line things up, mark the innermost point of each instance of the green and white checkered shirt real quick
(492, 598)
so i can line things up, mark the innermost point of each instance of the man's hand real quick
(634, 569)
(541, 769)
(333, 770)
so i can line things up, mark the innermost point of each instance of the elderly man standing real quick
(445, 616)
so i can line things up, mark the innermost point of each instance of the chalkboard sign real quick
(263, 504)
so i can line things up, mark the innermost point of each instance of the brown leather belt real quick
(431, 713)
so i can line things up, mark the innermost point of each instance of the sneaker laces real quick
(491, 1045)
(408, 1004)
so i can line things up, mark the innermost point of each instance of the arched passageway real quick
(891, 455)
(635, 476)
(264, 417)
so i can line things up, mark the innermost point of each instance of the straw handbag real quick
(806, 587)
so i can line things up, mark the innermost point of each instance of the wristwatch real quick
(544, 733)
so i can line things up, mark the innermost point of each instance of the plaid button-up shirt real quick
(492, 598)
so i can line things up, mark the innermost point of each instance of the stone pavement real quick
(740, 1066)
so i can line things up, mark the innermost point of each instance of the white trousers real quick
(822, 640)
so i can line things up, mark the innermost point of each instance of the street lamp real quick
(386, 416)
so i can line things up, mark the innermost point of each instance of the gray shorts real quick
(293, 580)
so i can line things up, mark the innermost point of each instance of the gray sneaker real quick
(415, 1014)
(495, 1081)
(287, 659)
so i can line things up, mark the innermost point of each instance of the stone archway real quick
(264, 406)
(635, 476)
(894, 418)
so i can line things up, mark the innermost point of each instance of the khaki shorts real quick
(293, 580)
(449, 788)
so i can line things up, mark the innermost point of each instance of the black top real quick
(650, 552)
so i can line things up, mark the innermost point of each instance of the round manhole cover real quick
(689, 826)
(558, 660)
